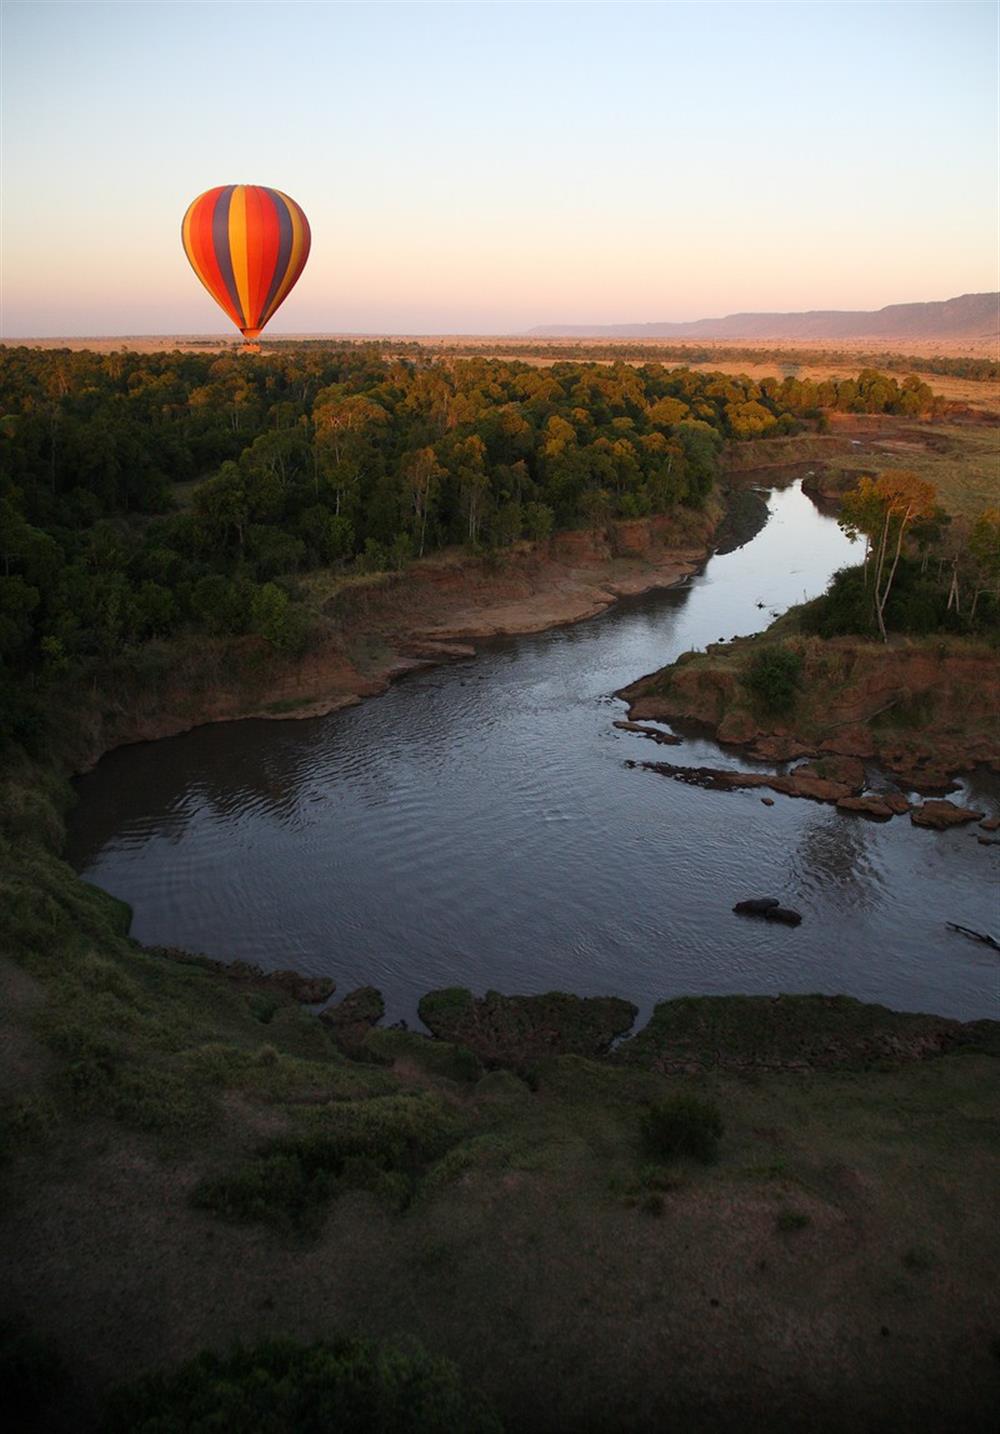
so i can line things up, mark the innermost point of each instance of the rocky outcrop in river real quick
(920, 709)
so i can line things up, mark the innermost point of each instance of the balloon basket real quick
(249, 348)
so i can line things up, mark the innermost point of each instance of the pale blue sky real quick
(488, 167)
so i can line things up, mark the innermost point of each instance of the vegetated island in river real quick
(922, 710)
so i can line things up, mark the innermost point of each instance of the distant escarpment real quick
(967, 316)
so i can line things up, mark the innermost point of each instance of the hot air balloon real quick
(248, 245)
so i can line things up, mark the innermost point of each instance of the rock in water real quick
(942, 814)
(784, 914)
(870, 806)
(756, 906)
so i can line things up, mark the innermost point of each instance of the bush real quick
(845, 608)
(772, 678)
(918, 605)
(352, 1386)
(788, 1221)
(383, 1144)
(683, 1125)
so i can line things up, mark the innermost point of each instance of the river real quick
(476, 826)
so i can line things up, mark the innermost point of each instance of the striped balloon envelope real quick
(248, 245)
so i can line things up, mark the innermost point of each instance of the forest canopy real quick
(144, 495)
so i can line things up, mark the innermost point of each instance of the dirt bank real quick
(921, 709)
(372, 630)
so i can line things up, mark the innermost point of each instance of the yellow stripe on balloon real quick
(238, 248)
(294, 258)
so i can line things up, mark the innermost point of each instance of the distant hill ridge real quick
(970, 316)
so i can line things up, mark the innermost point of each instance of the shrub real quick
(383, 1144)
(845, 607)
(918, 605)
(789, 1220)
(261, 1006)
(276, 1187)
(352, 1386)
(772, 678)
(683, 1125)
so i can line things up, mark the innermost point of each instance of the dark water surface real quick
(476, 826)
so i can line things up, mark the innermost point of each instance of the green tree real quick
(274, 618)
(539, 521)
(423, 474)
(984, 552)
(883, 509)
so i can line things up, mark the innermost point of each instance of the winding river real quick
(477, 826)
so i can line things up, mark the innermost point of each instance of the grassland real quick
(962, 461)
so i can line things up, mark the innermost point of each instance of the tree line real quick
(146, 495)
(923, 569)
(581, 351)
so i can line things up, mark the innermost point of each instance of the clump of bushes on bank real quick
(383, 1144)
(917, 606)
(352, 1386)
(772, 678)
(683, 1125)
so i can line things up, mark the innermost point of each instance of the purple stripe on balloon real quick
(285, 235)
(220, 243)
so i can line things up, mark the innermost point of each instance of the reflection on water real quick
(835, 853)
(477, 826)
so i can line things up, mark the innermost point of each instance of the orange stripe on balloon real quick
(253, 252)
